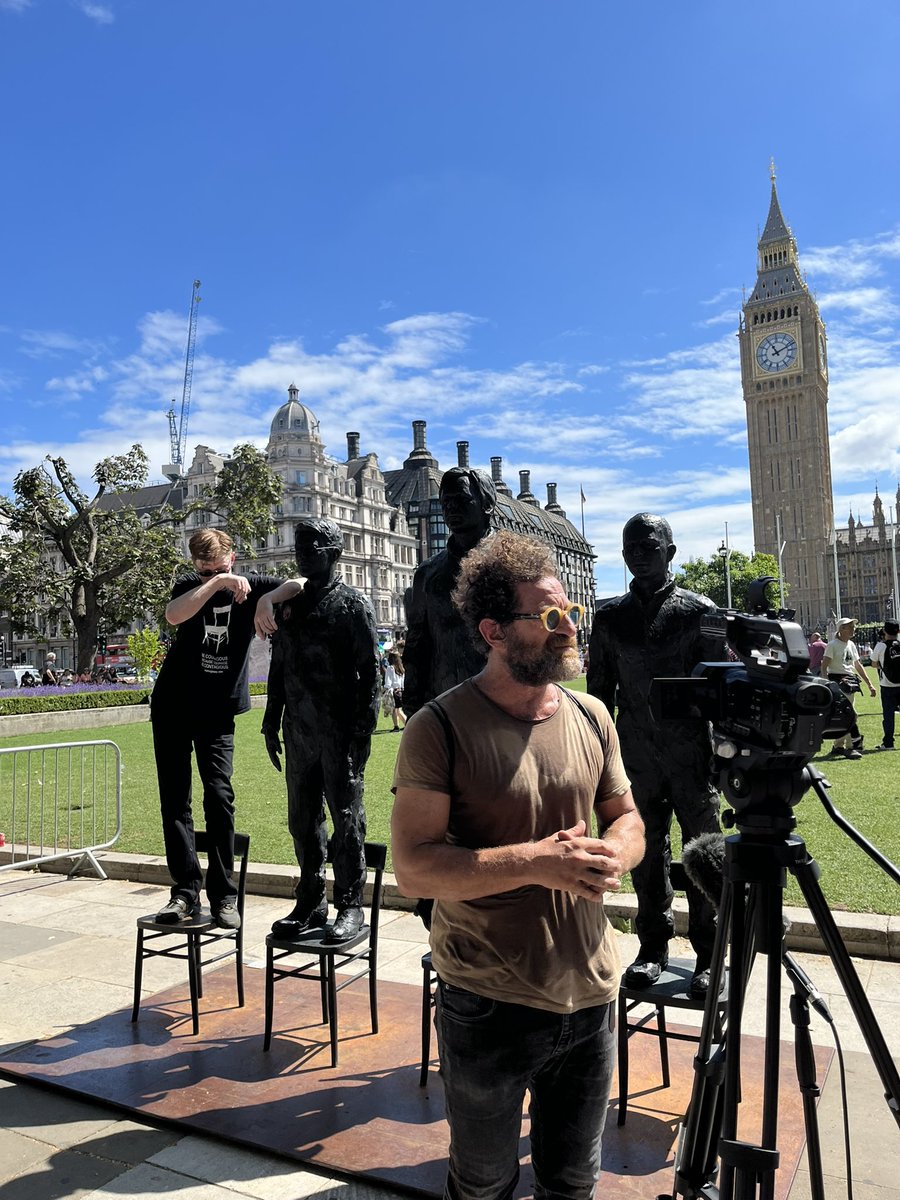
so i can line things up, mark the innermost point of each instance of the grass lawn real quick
(866, 792)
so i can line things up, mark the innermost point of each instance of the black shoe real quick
(885, 746)
(644, 972)
(178, 909)
(298, 920)
(347, 925)
(699, 984)
(226, 915)
(852, 754)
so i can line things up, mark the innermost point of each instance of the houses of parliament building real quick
(831, 570)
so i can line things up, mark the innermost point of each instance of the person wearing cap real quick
(886, 657)
(841, 663)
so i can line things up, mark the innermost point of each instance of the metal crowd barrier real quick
(60, 801)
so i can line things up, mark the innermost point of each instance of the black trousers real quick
(678, 789)
(327, 772)
(175, 740)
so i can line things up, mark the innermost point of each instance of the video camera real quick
(768, 714)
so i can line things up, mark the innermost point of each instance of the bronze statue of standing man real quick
(323, 682)
(439, 652)
(657, 630)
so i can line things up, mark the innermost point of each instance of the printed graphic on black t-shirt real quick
(214, 655)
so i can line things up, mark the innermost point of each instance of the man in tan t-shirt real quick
(493, 819)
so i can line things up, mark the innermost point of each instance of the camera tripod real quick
(757, 861)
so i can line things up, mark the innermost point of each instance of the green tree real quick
(91, 561)
(145, 647)
(708, 577)
(244, 495)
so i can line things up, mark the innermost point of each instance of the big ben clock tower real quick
(784, 374)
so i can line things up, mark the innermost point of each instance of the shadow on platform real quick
(367, 1118)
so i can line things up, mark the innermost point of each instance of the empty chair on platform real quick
(188, 939)
(323, 959)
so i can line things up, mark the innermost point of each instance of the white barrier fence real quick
(60, 801)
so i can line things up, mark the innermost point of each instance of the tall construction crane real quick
(178, 431)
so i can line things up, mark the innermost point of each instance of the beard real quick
(554, 662)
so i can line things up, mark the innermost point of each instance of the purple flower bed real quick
(72, 687)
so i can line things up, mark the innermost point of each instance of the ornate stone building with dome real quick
(379, 551)
(390, 520)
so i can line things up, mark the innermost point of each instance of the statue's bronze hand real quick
(273, 746)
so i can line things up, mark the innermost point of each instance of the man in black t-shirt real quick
(202, 687)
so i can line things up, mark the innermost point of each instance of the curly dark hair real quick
(491, 573)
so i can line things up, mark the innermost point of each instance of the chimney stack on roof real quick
(419, 436)
(552, 503)
(497, 475)
(462, 455)
(525, 494)
(352, 445)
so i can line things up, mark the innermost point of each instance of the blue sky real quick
(527, 223)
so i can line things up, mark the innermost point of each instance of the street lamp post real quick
(894, 561)
(724, 553)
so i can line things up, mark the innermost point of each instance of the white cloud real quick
(698, 392)
(728, 293)
(854, 261)
(728, 316)
(101, 13)
(861, 304)
(14, 5)
(78, 384)
(55, 343)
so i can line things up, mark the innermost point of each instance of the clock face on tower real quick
(776, 352)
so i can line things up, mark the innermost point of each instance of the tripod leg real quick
(804, 1057)
(695, 1165)
(807, 876)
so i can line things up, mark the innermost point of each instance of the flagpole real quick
(581, 489)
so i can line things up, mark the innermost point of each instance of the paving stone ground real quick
(66, 957)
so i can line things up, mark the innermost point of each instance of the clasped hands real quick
(571, 861)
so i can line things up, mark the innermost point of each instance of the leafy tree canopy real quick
(91, 561)
(708, 577)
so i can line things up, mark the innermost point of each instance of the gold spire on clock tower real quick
(785, 385)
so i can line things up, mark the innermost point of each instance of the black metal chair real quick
(187, 939)
(429, 980)
(672, 990)
(323, 959)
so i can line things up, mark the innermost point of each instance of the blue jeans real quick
(491, 1054)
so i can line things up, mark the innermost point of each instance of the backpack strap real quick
(441, 713)
(588, 716)
(424, 908)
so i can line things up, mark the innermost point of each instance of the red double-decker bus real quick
(115, 654)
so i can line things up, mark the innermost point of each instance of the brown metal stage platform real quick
(366, 1118)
